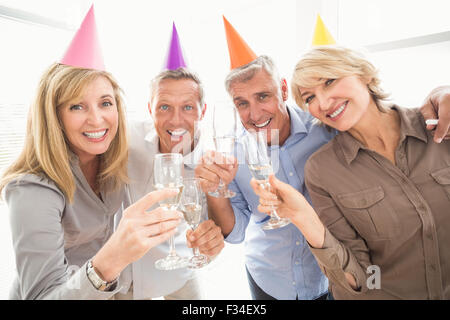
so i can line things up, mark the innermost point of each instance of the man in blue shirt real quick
(278, 262)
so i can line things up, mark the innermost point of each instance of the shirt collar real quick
(73, 158)
(411, 124)
(349, 146)
(297, 125)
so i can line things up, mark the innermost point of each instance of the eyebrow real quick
(304, 93)
(255, 94)
(193, 102)
(106, 96)
(262, 92)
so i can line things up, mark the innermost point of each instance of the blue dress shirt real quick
(279, 260)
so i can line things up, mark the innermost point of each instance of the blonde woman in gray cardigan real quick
(66, 187)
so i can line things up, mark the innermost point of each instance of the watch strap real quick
(97, 281)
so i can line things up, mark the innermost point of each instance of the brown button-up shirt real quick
(387, 225)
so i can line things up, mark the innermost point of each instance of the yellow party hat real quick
(321, 35)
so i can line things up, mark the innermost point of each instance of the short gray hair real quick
(178, 74)
(248, 71)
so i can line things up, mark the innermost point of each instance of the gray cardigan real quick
(53, 240)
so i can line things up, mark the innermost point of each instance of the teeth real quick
(177, 133)
(338, 111)
(95, 135)
(262, 124)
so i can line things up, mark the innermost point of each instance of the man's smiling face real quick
(260, 103)
(175, 107)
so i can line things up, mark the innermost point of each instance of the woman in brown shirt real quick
(380, 227)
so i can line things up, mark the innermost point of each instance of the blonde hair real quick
(46, 152)
(334, 62)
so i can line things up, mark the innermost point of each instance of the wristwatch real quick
(98, 282)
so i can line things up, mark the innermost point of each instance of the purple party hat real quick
(175, 58)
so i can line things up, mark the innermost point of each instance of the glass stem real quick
(273, 213)
(221, 184)
(172, 251)
(195, 251)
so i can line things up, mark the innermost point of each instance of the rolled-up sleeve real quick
(241, 213)
(38, 240)
(343, 249)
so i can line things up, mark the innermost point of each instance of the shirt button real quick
(291, 174)
(430, 235)
(433, 267)
(297, 243)
(293, 283)
(296, 262)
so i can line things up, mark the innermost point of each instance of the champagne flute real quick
(168, 173)
(224, 135)
(260, 166)
(191, 206)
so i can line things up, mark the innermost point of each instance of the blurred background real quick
(408, 40)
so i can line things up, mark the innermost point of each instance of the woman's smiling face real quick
(338, 103)
(90, 122)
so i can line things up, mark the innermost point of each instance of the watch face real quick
(96, 281)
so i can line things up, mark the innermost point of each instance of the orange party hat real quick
(240, 52)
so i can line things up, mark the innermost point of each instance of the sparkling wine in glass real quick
(260, 166)
(224, 135)
(191, 206)
(168, 173)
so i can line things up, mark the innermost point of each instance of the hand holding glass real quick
(191, 206)
(224, 134)
(168, 173)
(260, 165)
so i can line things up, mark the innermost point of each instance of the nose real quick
(325, 102)
(177, 118)
(256, 112)
(95, 116)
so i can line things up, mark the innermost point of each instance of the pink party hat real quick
(84, 51)
(175, 58)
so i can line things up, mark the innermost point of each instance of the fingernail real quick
(439, 140)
